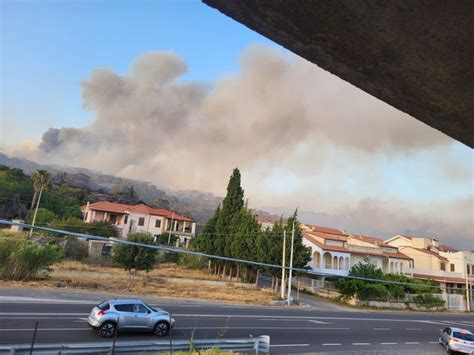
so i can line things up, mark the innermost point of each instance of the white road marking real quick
(41, 314)
(412, 342)
(283, 320)
(250, 327)
(412, 328)
(388, 343)
(360, 343)
(381, 328)
(331, 344)
(434, 342)
(289, 345)
(318, 322)
(42, 329)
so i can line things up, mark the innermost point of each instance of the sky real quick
(175, 93)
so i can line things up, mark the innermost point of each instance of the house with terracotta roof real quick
(434, 261)
(335, 251)
(140, 218)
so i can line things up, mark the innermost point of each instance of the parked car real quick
(457, 339)
(129, 315)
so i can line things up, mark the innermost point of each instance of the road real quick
(297, 330)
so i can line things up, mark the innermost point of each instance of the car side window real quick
(139, 308)
(124, 307)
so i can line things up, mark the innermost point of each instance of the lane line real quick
(318, 322)
(412, 328)
(434, 342)
(186, 328)
(381, 328)
(331, 344)
(283, 345)
(412, 342)
(42, 329)
(357, 344)
(388, 343)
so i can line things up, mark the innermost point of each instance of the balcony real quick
(437, 273)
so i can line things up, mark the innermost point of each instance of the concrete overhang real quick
(417, 56)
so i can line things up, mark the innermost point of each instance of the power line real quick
(210, 256)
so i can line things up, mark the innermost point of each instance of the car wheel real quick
(107, 330)
(161, 328)
(448, 350)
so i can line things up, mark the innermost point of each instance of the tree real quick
(135, 258)
(40, 180)
(301, 253)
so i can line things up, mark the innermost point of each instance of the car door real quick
(446, 335)
(126, 316)
(141, 316)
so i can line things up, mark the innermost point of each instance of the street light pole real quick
(283, 266)
(291, 262)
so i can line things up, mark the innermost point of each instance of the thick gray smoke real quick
(298, 133)
(151, 125)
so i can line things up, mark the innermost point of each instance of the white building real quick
(334, 252)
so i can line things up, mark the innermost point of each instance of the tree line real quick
(234, 232)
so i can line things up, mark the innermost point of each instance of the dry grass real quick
(163, 270)
(114, 280)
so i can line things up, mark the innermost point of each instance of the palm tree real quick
(40, 181)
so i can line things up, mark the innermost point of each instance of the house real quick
(335, 251)
(140, 218)
(453, 269)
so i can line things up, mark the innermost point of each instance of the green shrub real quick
(163, 239)
(27, 260)
(372, 292)
(75, 249)
(192, 261)
(135, 258)
(7, 246)
(428, 301)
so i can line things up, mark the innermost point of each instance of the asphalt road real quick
(291, 330)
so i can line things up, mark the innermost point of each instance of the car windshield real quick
(463, 336)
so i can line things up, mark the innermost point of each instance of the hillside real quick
(96, 186)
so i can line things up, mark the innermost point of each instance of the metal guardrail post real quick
(34, 338)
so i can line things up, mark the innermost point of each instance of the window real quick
(158, 223)
(443, 267)
(468, 269)
(124, 307)
(125, 219)
(87, 215)
(104, 306)
(113, 218)
(452, 267)
(141, 221)
(139, 308)
(106, 250)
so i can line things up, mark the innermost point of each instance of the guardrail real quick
(257, 345)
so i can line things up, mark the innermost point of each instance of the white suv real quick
(129, 315)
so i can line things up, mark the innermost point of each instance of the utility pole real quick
(283, 266)
(169, 234)
(36, 211)
(468, 298)
(291, 262)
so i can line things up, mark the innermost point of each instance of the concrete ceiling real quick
(417, 56)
